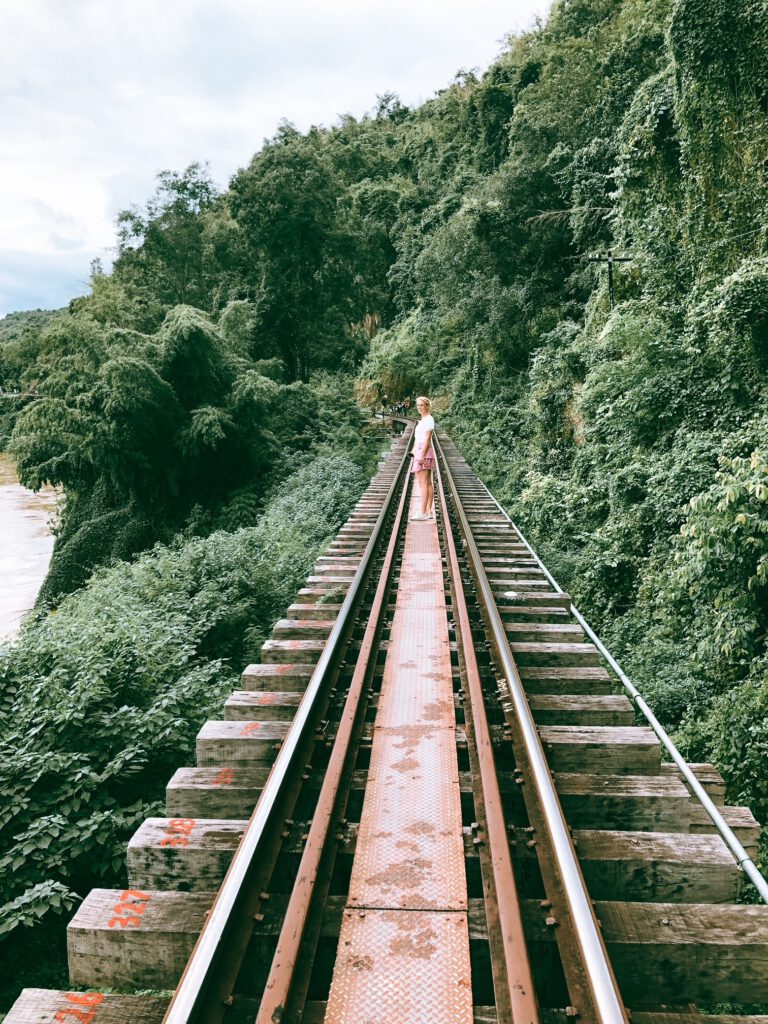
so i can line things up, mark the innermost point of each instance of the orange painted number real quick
(123, 922)
(177, 832)
(174, 841)
(128, 914)
(80, 999)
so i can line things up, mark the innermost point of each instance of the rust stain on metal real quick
(419, 946)
(406, 764)
(421, 828)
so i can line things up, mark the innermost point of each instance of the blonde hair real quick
(423, 398)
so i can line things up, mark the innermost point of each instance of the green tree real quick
(160, 246)
(301, 241)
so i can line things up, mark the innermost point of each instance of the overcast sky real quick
(97, 96)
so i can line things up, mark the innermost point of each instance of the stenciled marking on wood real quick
(250, 728)
(225, 777)
(178, 832)
(80, 999)
(128, 909)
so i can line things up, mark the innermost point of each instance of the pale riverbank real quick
(25, 545)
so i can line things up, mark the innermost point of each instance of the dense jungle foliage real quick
(456, 249)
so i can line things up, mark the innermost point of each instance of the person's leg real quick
(424, 476)
(430, 492)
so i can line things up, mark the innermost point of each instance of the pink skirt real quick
(422, 461)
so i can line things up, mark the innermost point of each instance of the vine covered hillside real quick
(629, 442)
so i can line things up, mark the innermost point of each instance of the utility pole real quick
(610, 259)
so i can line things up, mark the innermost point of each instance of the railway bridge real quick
(435, 799)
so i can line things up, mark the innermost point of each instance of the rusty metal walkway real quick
(404, 946)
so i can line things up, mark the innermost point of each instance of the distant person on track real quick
(424, 457)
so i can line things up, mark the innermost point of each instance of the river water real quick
(25, 545)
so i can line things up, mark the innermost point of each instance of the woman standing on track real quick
(424, 457)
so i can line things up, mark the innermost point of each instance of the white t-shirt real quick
(425, 423)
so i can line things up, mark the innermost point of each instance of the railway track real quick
(429, 802)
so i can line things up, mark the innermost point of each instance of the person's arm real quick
(427, 442)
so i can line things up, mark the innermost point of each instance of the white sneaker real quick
(419, 517)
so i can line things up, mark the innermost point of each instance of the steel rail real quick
(277, 990)
(606, 1000)
(518, 1002)
(189, 999)
(727, 834)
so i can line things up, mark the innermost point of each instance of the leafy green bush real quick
(102, 700)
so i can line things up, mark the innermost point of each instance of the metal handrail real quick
(196, 978)
(606, 998)
(740, 855)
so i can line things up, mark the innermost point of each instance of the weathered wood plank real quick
(689, 952)
(520, 588)
(555, 654)
(318, 593)
(273, 676)
(266, 705)
(534, 613)
(547, 598)
(46, 1006)
(709, 777)
(544, 632)
(652, 803)
(555, 679)
(581, 709)
(509, 574)
(646, 866)
(302, 629)
(325, 611)
(299, 652)
(655, 866)
(646, 802)
(337, 568)
(239, 743)
(149, 950)
(326, 579)
(183, 854)
(741, 820)
(215, 792)
(624, 750)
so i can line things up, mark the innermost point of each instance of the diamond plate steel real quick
(417, 685)
(410, 850)
(401, 966)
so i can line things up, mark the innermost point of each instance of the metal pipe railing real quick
(606, 998)
(197, 977)
(741, 856)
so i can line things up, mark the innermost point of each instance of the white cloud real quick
(96, 97)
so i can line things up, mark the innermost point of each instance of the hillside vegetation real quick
(456, 249)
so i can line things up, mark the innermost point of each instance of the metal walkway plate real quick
(404, 946)
(410, 850)
(402, 967)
